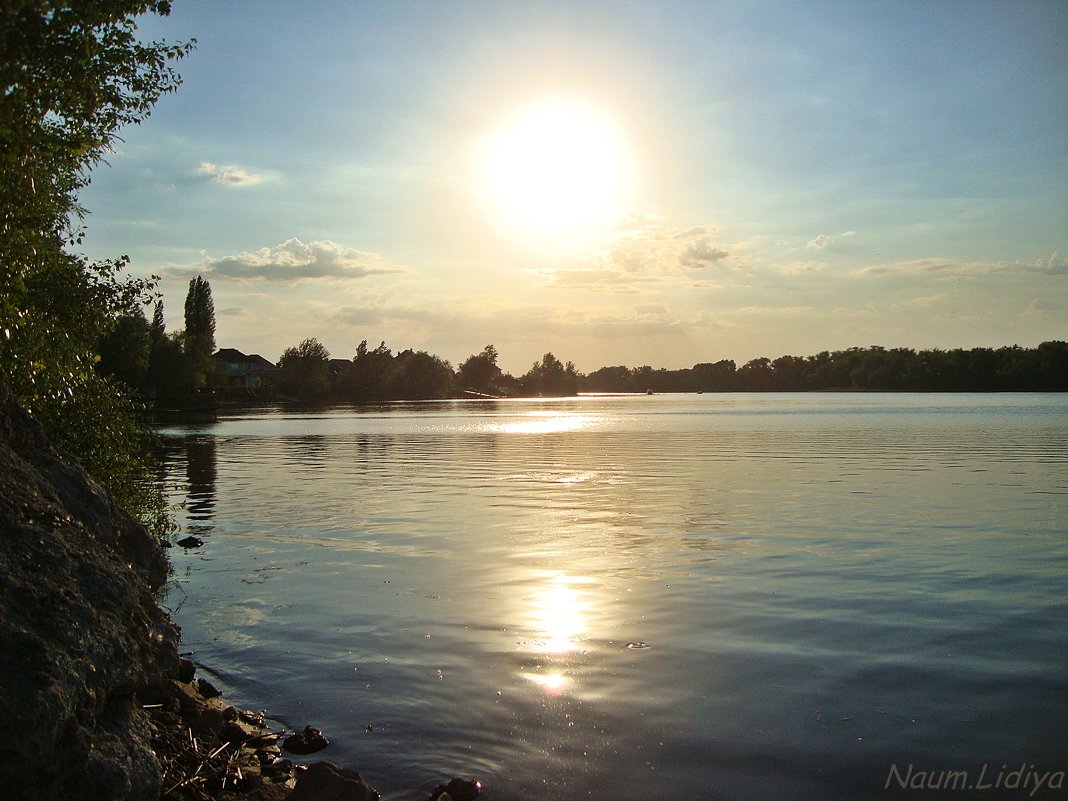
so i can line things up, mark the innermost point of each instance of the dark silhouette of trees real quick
(200, 330)
(125, 350)
(305, 371)
(708, 376)
(480, 373)
(369, 377)
(1044, 368)
(419, 376)
(550, 377)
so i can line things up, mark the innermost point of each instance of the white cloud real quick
(823, 241)
(1056, 264)
(294, 260)
(702, 254)
(653, 255)
(228, 175)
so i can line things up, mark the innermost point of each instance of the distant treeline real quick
(376, 374)
(158, 364)
(308, 372)
(1044, 368)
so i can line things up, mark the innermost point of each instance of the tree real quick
(157, 327)
(200, 329)
(370, 375)
(420, 376)
(71, 76)
(125, 351)
(305, 370)
(480, 372)
(550, 377)
(610, 379)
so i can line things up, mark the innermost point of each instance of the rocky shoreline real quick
(209, 749)
(97, 704)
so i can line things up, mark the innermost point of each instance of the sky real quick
(635, 183)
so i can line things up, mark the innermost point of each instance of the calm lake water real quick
(658, 597)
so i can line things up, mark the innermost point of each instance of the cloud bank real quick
(651, 252)
(294, 260)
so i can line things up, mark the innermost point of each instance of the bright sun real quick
(554, 166)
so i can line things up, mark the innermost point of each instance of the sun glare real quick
(552, 167)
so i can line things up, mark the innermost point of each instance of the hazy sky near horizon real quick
(658, 183)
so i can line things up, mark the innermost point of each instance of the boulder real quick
(325, 781)
(457, 790)
(306, 742)
(83, 641)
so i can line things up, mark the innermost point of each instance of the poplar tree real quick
(199, 329)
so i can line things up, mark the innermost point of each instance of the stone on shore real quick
(325, 781)
(306, 742)
(457, 790)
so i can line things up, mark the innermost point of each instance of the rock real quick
(207, 689)
(251, 718)
(186, 670)
(82, 638)
(305, 742)
(270, 792)
(190, 701)
(277, 768)
(190, 542)
(457, 790)
(325, 781)
(209, 721)
(233, 732)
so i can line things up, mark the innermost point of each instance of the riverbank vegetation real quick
(72, 75)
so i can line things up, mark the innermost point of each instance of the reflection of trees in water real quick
(200, 472)
(310, 450)
(470, 454)
(195, 456)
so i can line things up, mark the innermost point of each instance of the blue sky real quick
(795, 177)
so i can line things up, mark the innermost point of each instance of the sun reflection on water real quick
(557, 616)
(544, 422)
(553, 684)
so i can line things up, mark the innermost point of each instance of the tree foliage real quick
(550, 377)
(72, 74)
(480, 373)
(369, 376)
(305, 370)
(200, 330)
(418, 375)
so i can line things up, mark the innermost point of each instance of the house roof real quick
(234, 356)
